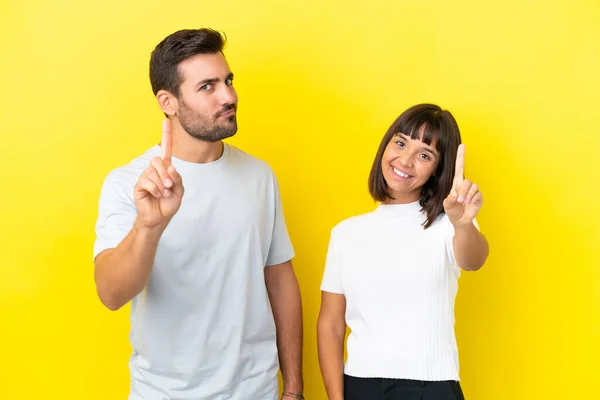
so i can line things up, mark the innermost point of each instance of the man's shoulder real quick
(129, 173)
(247, 160)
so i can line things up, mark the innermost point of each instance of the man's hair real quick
(164, 61)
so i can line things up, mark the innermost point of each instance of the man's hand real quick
(159, 189)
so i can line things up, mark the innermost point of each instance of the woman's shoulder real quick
(355, 223)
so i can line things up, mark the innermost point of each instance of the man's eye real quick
(208, 86)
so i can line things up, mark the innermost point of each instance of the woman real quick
(391, 274)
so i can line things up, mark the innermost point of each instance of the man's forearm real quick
(289, 343)
(284, 295)
(122, 272)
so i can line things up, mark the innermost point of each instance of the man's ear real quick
(167, 102)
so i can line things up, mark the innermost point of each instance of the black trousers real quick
(400, 389)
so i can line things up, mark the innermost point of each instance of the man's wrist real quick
(292, 395)
(293, 387)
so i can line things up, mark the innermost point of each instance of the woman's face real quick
(407, 164)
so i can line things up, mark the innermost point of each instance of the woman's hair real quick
(426, 122)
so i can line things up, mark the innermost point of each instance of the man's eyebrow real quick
(207, 80)
(213, 80)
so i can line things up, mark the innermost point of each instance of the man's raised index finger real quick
(167, 141)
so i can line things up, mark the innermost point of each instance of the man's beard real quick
(207, 129)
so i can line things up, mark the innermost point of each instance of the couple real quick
(192, 232)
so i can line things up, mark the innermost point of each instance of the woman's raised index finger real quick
(459, 173)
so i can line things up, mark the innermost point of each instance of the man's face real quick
(207, 100)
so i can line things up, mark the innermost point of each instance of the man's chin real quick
(230, 129)
(222, 136)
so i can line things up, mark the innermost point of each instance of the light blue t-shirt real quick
(203, 326)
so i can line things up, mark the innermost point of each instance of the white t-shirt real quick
(203, 326)
(400, 283)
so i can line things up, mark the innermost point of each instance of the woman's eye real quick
(400, 143)
(425, 157)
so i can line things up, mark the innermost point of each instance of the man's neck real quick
(190, 149)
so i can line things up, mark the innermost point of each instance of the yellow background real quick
(319, 83)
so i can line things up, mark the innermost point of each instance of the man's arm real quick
(284, 295)
(122, 272)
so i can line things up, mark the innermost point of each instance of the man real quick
(214, 298)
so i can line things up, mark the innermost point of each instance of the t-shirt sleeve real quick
(449, 239)
(332, 281)
(281, 249)
(116, 213)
